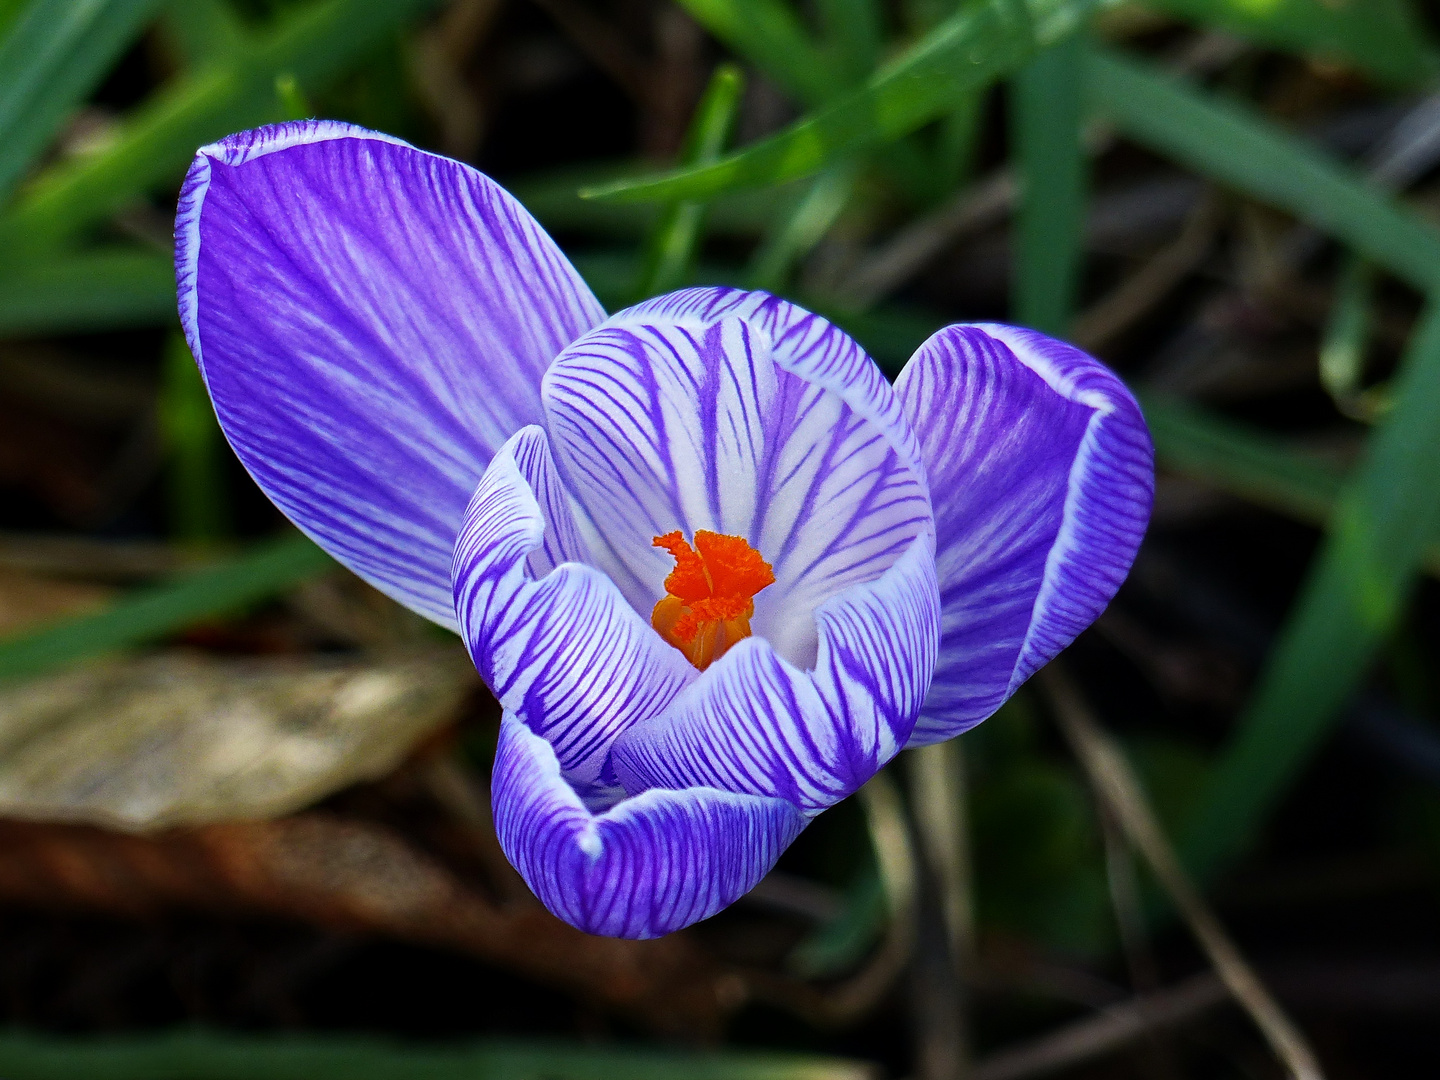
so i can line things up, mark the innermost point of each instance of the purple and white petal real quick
(553, 638)
(1041, 473)
(372, 322)
(754, 723)
(646, 867)
(661, 421)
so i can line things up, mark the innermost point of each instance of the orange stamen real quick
(710, 594)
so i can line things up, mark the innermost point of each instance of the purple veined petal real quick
(662, 421)
(1042, 473)
(802, 343)
(372, 322)
(754, 723)
(553, 638)
(645, 867)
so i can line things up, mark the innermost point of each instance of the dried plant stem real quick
(937, 775)
(1117, 786)
(1114, 1027)
(938, 806)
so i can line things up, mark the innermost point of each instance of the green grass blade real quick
(1347, 331)
(1046, 107)
(770, 36)
(163, 609)
(207, 1056)
(99, 290)
(1381, 37)
(204, 31)
(854, 36)
(1257, 467)
(199, 511)
(796, 233)
(314, 45)
(1230, 143)
(964, 53)
(1386, 518)
(670, 250)
(53, 55)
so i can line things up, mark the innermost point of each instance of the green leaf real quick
(1240, 460)
(50, 58)
(1230, 143)
(314, 45)
(966, 51)
(99, 290)
(207, 1056)
(854, 36)
(794, 234)
(204, 31)
(767, 33)
(197, 452)
(163, 609)
(1385, 519)
(1381, 37)
(1045, 120)
(670, 248)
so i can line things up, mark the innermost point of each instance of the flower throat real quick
(710, 594)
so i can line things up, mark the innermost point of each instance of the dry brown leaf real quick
(182, 738)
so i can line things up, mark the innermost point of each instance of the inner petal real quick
(673, 423)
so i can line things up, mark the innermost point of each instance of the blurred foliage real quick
(887, 114)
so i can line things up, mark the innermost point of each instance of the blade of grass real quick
(151, 613)
(800, 230)
(1381, 37)
(768, 34)
(965, 52)
(203, 1055)
(1347, 333)
(99, 290)
(670, 249)
(313, 45)
(1045, 124)
(198, 509)
(854, 36)
(1229, 142)
(51, 57)
(204, 31)
(1386, 518)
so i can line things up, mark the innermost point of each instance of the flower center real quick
(711, 594)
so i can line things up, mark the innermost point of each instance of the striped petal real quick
(1041, 471)
(754, 723)
(554, 639)
(735, 413)
(372, 322)
(648, 866)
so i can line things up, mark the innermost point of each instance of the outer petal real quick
(665, 421)
(650, 865)
(1042, 474)
(565, 653)
(372, 322)
(753, 723)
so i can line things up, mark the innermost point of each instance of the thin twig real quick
(857, 995)
(938, 805)
(1113, 1028)
(1119, 788)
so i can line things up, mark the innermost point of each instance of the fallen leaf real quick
(181, 738)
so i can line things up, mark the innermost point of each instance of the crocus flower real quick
(714, 567)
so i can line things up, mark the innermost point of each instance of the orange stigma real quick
(711, 594)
